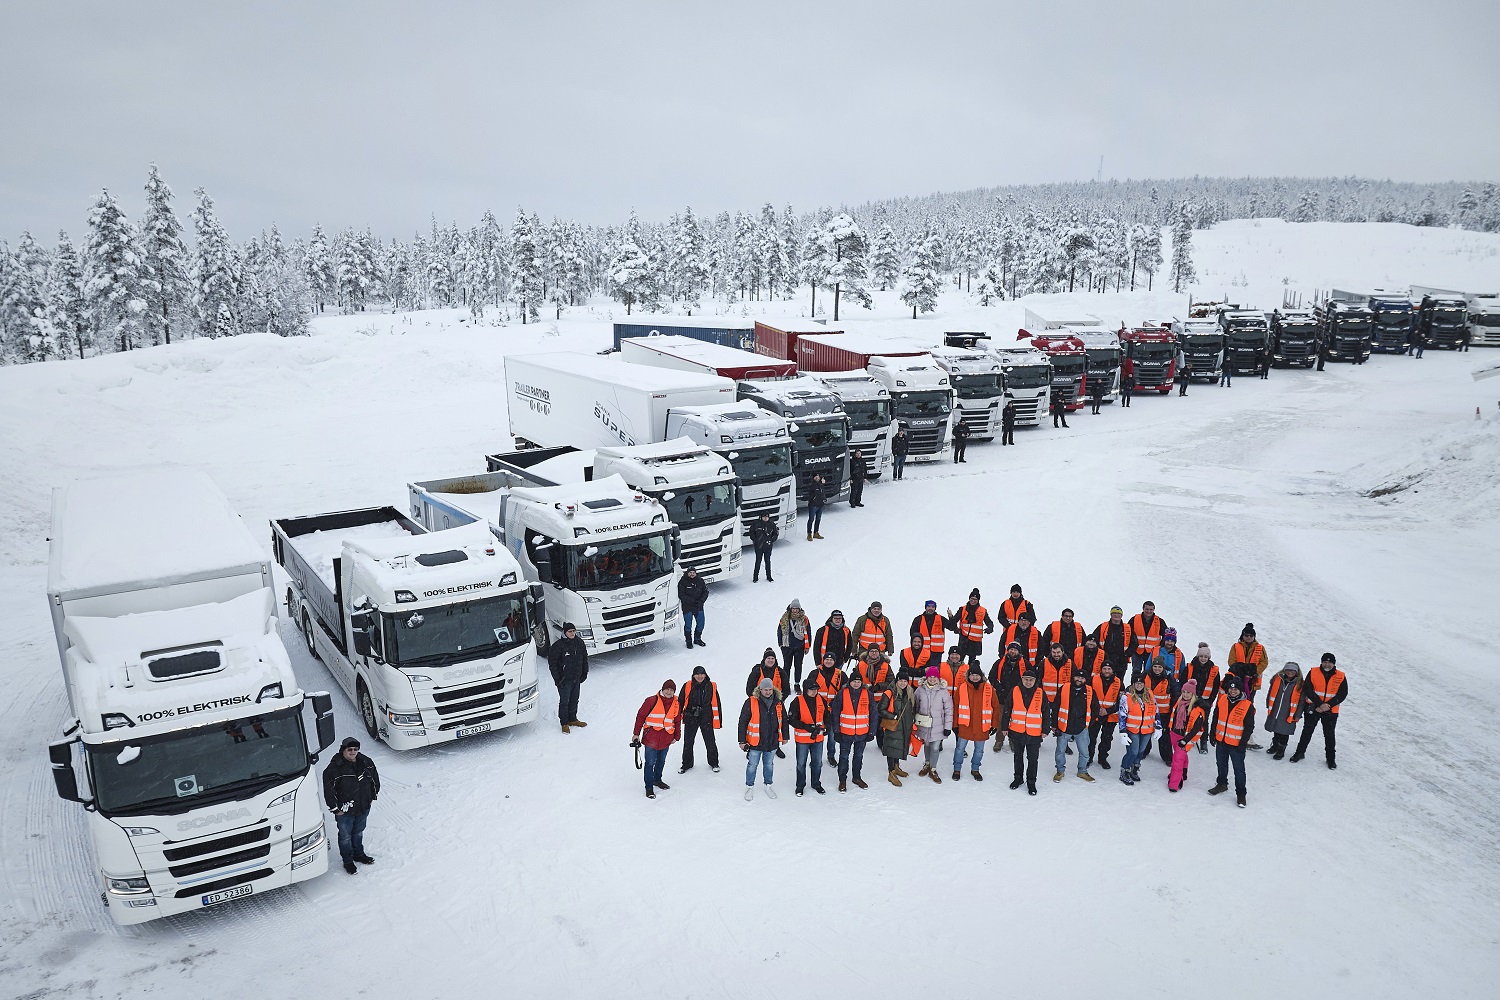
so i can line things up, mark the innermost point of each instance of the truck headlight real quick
(585, 633)
(307, 842)
(281, 800)
(133, 886)
(528, 692)
(404, 718)
(139, 831)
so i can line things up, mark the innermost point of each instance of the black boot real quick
(698, 641)
(688, 640)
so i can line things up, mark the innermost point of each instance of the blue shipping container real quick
(738, 333)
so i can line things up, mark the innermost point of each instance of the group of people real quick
(1125, 678)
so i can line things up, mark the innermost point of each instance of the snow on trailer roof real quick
(797, 326)
(703, 351)
(617, 371)
(693, 322)
(145, 529)
(862, 342)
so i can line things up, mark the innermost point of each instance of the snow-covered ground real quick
(529, 863)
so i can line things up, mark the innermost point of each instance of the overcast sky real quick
(385, 113)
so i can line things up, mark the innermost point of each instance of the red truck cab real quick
(1150, 357)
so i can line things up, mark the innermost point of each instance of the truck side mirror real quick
(676, 544)
(322, 703)
(538, 611)
(361, 625)
(541, 555)
(63, 775)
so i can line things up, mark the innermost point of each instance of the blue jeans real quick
(352, 834)
(1232, 755)
(808, 753)
(692, 623)
(1081, 744)
(898, 464)
(814, 519)
(1135, 749)
(655, 761)
(846, 744)
(960, 745)
(766, 759)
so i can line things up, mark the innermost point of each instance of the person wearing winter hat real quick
(1073, 711)
(898, 714)
(854, 721)
(1106, 688)
(1229, 728)
(767, 670)
(934, 719)
(1171, 657)
(1202, 670)
(833, 637)
(351, 784)
(701, 713)
(914, 661)
(1138, 722)
(794, 634)
(1146, 630)
(829, 680)
(972, 623)
(1283, 707)
(1014, 606)
(1115, 639)
(762, 731)
(808, 715)
(975, 718)
(933, 628)
(658, 724)
(1324, 692)
(1248, 659)
(568, 661)
(1005, 677)
(873, 628)
(1186, 722)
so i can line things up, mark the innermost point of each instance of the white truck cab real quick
(867, 404)
(979, 395)
(759, 447)
(921, 400)
(1025, 375)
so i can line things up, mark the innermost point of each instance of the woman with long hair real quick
(1185, 723)
(1137, 724)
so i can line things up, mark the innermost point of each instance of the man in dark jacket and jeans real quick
(763, 535)
(858, 470)
(1008, 423)
(569, 662)
(900, 445)
(817, 495)
(350, 784)
(692, 593)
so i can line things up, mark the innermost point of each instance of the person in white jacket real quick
(1137, 725)
(934, 721)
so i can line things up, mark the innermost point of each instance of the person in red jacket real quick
(658, 724)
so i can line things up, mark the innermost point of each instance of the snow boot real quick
(749, 792)
(901, 773)
(565, 727)
(1125, 778)
(364, 859)
(1296, 757)
(843, 786)
(663, 786)
(1280, 753)
(698, 641)
(770, 792)
(1058, 776)
(1218, 789)
(1030, 789)
(689, 642)
(1239, 800)
(1332, 766)
(1085, 776)
(817, 788)
(818, 535)
(926, 770)
(976, 775)
(770, 578)
(349, 867)
(895, 780)
(798, 793)
(1017, 783)
(859, 782)
(957, 775)
(809, 536)
(650, 793)
(580, 725)
(936, 780)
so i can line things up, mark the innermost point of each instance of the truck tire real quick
(307, 636)
(367, 711)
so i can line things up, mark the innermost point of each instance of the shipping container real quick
(686, 354)
(725, 330)
(847, 352)
(780, 340)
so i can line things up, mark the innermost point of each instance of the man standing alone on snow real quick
(858, 470)
(568, 660)
(350, 785)
(817, 496)
(1127, 387)
(1008, 423)
(900, 445)
(961, 434)
(1059, 410)
(692, 593)
(763, 535)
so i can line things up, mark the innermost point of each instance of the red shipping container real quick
(780, 342)
(847, 352)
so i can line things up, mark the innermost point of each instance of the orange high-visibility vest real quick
(1108, 697)
(872, 678)
(713, 698)
(909, 660)
(933, 636)
(873, 635)
(1229, 727)
(1325, 687)
(951, 675)
(1088, 664)
(1064, 706)
(1147, 637)
(962, 711)
(1011, 609)
(971, 624)
(1057, 630)
(1140, 717)
(1030, 643)
(854, 712)
(1026, 711)
(1161, 690)
(775, 676)
(1055, 676)
(1293, 705)
(830, 687)
(812, 711)
(752, 729)
(664, 715)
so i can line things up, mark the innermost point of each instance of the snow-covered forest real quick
(126, 283)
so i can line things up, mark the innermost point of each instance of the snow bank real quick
(1455, 474)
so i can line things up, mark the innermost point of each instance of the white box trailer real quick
(188, 733)
(589, 400)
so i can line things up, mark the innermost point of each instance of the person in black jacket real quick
(961, 434)
(900, 445)
(701, 713)
(1127, 387)
(1008, 423)
(1111, 638)
(568, 660)
(1182, 380)
(763, 535)
(692, 592)
(350, 785)
(1322, 710)
(1096, 396)
(1059, 409)
(817, 496)
(858, 470)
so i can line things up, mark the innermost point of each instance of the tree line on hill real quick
(134, 284)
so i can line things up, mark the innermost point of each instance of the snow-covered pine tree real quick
(632, 274)
(525, 268)
(814, 255)
(991, 285)
(320, 268)
(65, 298)
(164, 260)
(920, 275)
(1307, 207)
(217, 271)
(28, 332)
(791, 250)
(772, 253)
(112, 278)
(885, 257)
(847, 254)
(1183, 272)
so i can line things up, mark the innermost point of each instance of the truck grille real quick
(979, 421)
(706, 557)
(1026, 410)
(1391, 340)
(1103, 381)
(831, 483)
(470, 721)
(219, 844)
(1069, 394)
(458, 701)
(925, 440)
(627, 619)
(1150, 375)
(222, 861)
(224, 883)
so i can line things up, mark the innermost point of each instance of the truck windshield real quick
(1246, 340)
(977, 386)
(1486, 319)
(175, 772)
(1101, 357)
(1447, 314)
(761, 465)
(690, 505)
(1202, 343)
(815, 437)
(1069, 365)
(868, 414)
(1354, 322)
(1154, 352)
(1401, 316)
(433, 637)
(606, 565)
(923, 404)
(1298, 330)
(1027, 378)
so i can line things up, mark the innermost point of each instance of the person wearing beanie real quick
(762, 731)
(1248, 659)
(829, 680)
(854, 721)
(351, 784)
(833, 637)
(1073, 712)
(975, 718)
(817, 496)
(658, 724)
(768, 670)
(1012, 608)
(1229, 729)
(1204, 672)
(1323, 693)
(568, 662)
(1165, 693)
(1115, 639)
(794, 634)
(961, 432)
(952, 670)
(1004, 677)
(934, 721)
(1028, 724)
(972, 623)
(1106, 688)
(898, 717)
(808, 715)
(1186, 723)
(701, 713)
(763, 535)
(692, 594)
(1088, 658)
(873, 670)
(873, 628)
(1138, 722)
(1146, 631)
(1028, 637)
(1283, 707)
(1171, 657)
(933, 629)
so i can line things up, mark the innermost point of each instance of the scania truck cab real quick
(1103, 349)
(1069, 363)
(1294, 337)
(605, 554)
(867, 404)
(1484, 319)
(1025, 376)
(1246, 335)
(1345, 330)
(921, 401)
(1200, 348)
(975, 375)
(818, 426)
(757, 445)
(1150, 357)
(188, 746)
(1392, 315)
(1443, 316)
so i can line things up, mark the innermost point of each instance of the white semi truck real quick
(921, 401)
(976, 378)
(432, 634)
(189, 731)
(607, 552)
(1104, 353)
(818, 427)
(759, 448)
(1025, 375)
(867, 404)
(1484, 319)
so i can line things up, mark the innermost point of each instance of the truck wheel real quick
(307, 636)
(367, 711)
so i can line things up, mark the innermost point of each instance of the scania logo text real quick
(213, 819)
